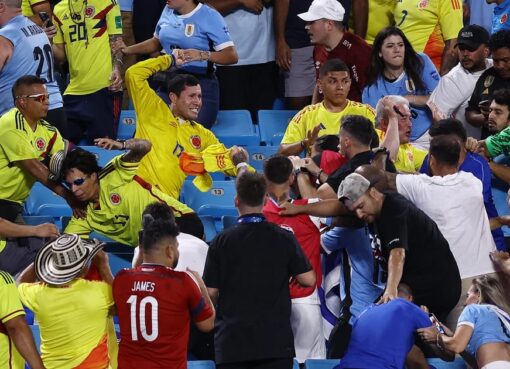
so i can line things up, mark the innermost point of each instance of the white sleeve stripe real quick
(223, 45)
(472, 325)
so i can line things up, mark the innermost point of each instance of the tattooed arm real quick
(116, 76)
(137, 148)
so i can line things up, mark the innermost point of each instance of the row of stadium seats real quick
(232, 127)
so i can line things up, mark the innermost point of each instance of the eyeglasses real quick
(41, 98)
(76, 182)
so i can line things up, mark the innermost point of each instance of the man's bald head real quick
(375, 176)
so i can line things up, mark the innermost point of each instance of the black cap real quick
(473, 36)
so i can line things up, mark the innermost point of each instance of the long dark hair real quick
(413, 65)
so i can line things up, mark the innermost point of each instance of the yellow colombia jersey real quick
(10, 307)
(26, 6)
(409, 158)
(426, 23)
(169, 136)
(19, 142)
(122, 199)
(87, 44)
(73, 319)
(312, 115)
(380, 15)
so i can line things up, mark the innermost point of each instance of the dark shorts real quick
(58, 119)
(259, 364)
(92, 116)
(11, 211)
(20, 253)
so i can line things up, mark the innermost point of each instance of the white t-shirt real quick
(192, 253)
(455, 203)
(453, 92)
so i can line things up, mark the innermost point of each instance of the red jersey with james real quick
(353, 51)
(155, 305)
(307, 234)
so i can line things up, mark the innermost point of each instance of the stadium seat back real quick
(103, 156)
(44, 202)
(321, 364)
(273, 124)
(201, 364)
(216, 202)
(33, 220)
(257, 155)
(127, 125)
(209, 227)
(437, 363)
(235, 127)
(499, 196)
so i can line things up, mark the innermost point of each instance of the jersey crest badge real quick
(90, 11)
(115, 199)
(40, 144)
(503, 18)
(196, 142)
(189, 30)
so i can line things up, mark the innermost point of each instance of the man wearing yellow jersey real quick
(32, 8)
(87, 31)
(172, 129)
(115, 196)
(432, 27)
(394, 131)
(14, 329)
(26, 140)
(324, 118)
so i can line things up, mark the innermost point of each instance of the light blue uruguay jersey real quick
(32, 55)
(203, 29)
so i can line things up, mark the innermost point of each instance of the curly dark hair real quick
(83, 160)
(499, 40)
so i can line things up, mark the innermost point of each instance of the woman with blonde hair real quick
(483, 329)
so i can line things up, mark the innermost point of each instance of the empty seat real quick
(216, 202)
(33, 220)
(235, 127)
(209, 227)
(201, 364)
(103, 156)
(43, 201)
(273, 124)
(258, 154)
(127, 125)
(321, 364)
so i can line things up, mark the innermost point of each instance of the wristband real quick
(173, 59)
(123, 142)
(207, 55)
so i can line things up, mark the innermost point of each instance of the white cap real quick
(324, 9)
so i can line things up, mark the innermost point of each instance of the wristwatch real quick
(297, 171)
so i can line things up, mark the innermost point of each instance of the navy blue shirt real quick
(478, 166)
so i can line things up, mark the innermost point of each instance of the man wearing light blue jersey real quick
(26, 50)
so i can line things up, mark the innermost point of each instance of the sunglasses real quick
(41, 98)
(76, 182)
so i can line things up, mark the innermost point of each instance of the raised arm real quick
(323, 209)
(137, 148)
(142, 48)
(360, 17)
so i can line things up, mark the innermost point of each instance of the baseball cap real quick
(353, 187)
(324, 9)
(473, 36)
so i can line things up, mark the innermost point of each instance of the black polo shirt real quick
(357, 160)
(250, 264)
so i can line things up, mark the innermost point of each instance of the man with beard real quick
(155, 303)
(451, 96)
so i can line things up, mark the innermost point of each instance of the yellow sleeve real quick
(145, 100)
(27, 293)
(126, 171)
(418, 156)
(208, 137)
(296, 130)
(17, 146)
(114, 20)
(369, 113)
(450, 18)
(58, 145)
(79, 226)
(10, 304)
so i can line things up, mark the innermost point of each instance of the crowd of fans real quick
(371, 237)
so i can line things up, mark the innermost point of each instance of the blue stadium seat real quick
(127, 125)
(272, 125)
(235, 127)
(33, 220)
(103, 156)
(279, 103)
(499, 195)
(321, 364)
(201, 364)
(209, 227)
(437, 363)
(43, 201)
(36, 332)
(258, 154)
(216, 202)
(295, 365)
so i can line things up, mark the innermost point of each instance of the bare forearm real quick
(59, 53)
(475, 119)
(500, 171)
(22, 337)
(449, 56)
(281, 10)
(418, 100)
(360, 17)
(391, 140)
(27, 275)
(291, 149)
(306, 188)
(224, 57)
(146, 47)
(138, 148)
(116, 52)
(325, 208)
(105, 272)
(224, 6)
(41, 173)
(8, 229)
(395, 269)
